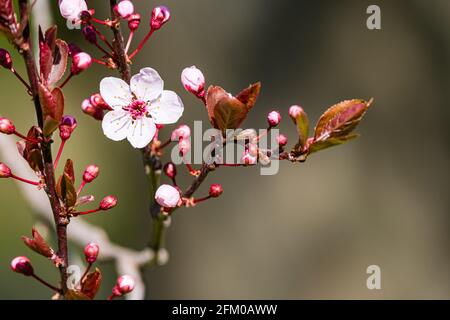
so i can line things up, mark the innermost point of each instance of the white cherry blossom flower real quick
(138, 107)
(71, 9)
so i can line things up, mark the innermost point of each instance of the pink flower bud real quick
(108, 202)
(6, 126)
(134, 21)
(295, 111)
(273, 118)
(5, 59)
(90, 173)
(167, 196)
(22, 265)
(215, 190)
(282, 140)
(182, 132)
(125, 8)
(91, 252)
(71, 9)
(160, 15)
(247, 159)
(193, 80)
(5, 171)
(89, 34)
(80, 62)
(184, 146)
(95, 112)
(170, 170)
(66, 127)
(97, 101)
(125, 284)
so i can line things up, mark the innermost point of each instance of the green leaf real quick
(66, 191)
(302, 123)
(341, 119)
(331, 142)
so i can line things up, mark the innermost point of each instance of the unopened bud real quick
(108, 202)
(193, 81)
(282, 140)
(97, 101)
(95, 112)
(90, 173)
(124, 8)
(6, 126)
(170, 170)
(125, 284)
(182, 132)
(133, 21)
(167, 196)
(22, 265)
(91, 252)
(273, 118)
(160, 15)
(5, 171)
(295, 112)
(80, 62)
(90, 34)
(66, 127)
(5, 59)
(215, 190)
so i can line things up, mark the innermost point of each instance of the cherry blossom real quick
(71, 9)
(138, 107)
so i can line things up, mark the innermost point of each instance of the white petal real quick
(167, 109)
(115, 92)
(141, 133)
(115, 124)
(147, 85)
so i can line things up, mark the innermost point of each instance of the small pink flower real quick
(170, 170)
(273, 118)
(295, 111)
(91, 252)
(125, 284)
(160, 15)
(80, 62)
(138, 107)
(282, 140)
(5, 59)
(167, 196)
(215, 190)
(5, 171)
(182, 132)
(6, 126)
(71, 9)
(193, 80)
(125, 8)
(108, 203)
(134, 21)
(22, 265)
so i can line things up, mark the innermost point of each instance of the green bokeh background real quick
(311, 230)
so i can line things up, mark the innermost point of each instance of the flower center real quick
(137, 109)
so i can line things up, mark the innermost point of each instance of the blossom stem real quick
(67, 80)
(165, 144)
(26, 138)
(103, 50)
(130, 38)
(83, 183)
(18, 76)
(103, 22)
(88, 268)
(83, 213)
(142, 43)
(198, 200)
(103, 38)
(111, 297)
(45, 283)
(61, 147)
(103, 63)
(34, 183)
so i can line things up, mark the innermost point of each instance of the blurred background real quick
(310, 231)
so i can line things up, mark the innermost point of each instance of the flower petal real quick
(115, 124)
(167, 109)
(141, 133)
(147, 85)
(115, 92)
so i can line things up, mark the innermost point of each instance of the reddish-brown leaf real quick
(331, 142)
(91, 284)
(59, 65)
(75, 295)
(68, 169)
(38, 244)
(66, 191)
(249, 95)
(341, 119)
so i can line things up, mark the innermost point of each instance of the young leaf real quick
(302, 123)
(226, 111)
(38, 244)
(68, 170)
(91, 284)
(341, 119)
(52, 102)
(66, 191)
(59, 65)
(75, 295)
(331, 142)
